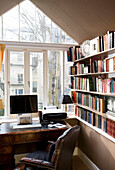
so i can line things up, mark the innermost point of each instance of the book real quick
(94, 46)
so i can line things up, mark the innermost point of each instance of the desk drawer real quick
(6, 159)
(4, 140)
(24, 138)
(5, 149)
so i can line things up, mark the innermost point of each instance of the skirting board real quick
(85, 159)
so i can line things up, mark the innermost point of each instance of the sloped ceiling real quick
(81, 19)
(5, 5)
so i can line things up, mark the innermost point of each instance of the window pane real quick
(54, 77)
(69, 40)
(62, 37)
(27, 21)
(55, 33)
(11, 25)
(34, 25)
(36, 76)
(48, 29)
(66, 76)
(43, 27)
(2, 90)
(16, 72)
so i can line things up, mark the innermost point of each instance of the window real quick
(15, 91)
(30, 24)
(34, 86)
(36, 76)
(20, 91)
(11, 31)
(54, 77)
(34, 64)
(16, 72)
(19, 58)
(67, 81)
(20, 78)
(27, 21)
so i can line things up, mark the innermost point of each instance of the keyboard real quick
(26, 126)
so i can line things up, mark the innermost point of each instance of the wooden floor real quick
(78, 164)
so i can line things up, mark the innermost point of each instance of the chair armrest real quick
(37, 162)
(50, 142)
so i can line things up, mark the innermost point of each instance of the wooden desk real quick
(16, 141)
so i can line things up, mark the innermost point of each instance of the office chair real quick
(58, 157)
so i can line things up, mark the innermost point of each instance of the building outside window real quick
(19, 58)
(20, 78)
(20, 91)
(34, 89)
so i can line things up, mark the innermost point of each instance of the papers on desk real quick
(26, 126)
(56, 125)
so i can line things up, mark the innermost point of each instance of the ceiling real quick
(5, 5)
(81, 19)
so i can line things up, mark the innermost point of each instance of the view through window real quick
(54, 77)
(36, 76)
(26, 22)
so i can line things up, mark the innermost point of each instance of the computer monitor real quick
(23, 104)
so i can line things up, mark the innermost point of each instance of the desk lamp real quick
(66, 100)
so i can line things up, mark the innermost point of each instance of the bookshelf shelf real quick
(93, 92)
(102, 53)
(93, 127)
(96, 129)
(92, 74)
(95, 111)
(93, 85)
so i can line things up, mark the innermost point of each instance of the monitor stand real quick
(24, 118)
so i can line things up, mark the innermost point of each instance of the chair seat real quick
(38, 154)
(41, 155)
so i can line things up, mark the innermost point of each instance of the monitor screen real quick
(23, 104)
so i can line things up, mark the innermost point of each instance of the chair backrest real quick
(64, 148)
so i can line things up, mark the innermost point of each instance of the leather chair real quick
(58, 157)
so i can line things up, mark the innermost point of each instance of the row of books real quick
(103, 42)
(105, 65)
(96, 120)
(83, 68)
(92, 101)
(96, 84)
(111, 128)
(98, 44)
(74, 53)
(97, 65)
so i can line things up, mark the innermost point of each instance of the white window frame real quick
(27, 48)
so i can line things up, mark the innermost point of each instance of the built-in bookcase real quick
(92, 81)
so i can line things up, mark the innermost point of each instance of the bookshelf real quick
(93, 89)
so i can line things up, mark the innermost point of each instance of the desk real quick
(17, 141)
